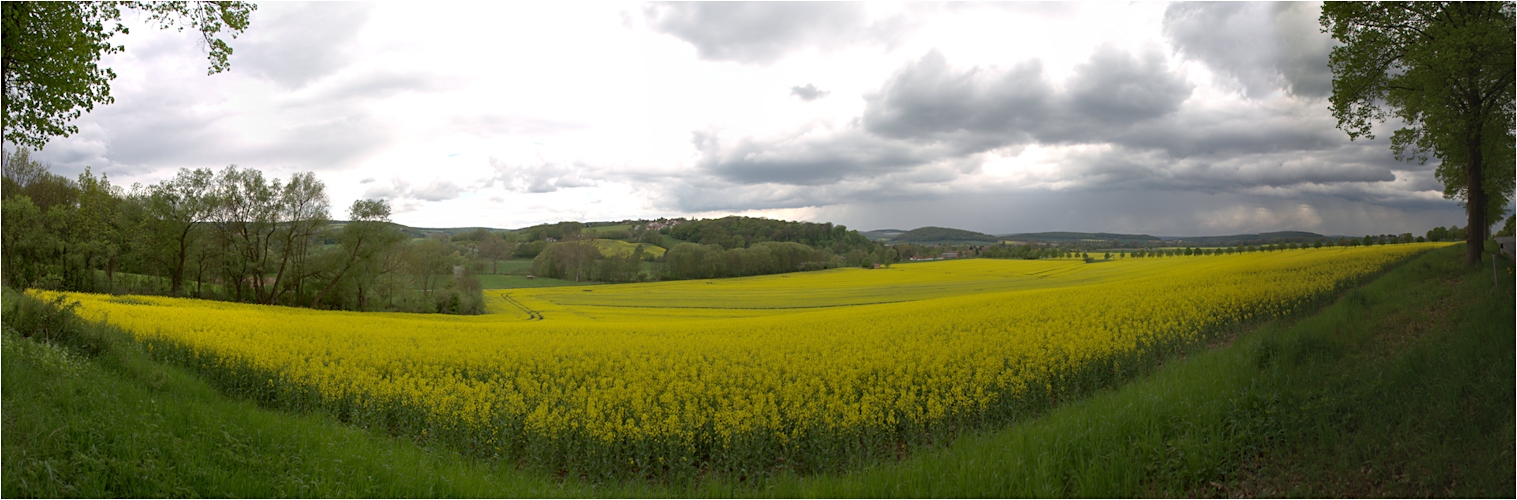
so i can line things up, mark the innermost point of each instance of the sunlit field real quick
(804, 371)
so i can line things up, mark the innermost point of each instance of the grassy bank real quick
(1402, 388)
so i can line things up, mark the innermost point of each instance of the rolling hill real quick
(933, 234)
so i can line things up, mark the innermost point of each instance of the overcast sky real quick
(1166, 119)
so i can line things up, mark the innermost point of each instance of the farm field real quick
(92, 414)
(803, 372)
(619, 248)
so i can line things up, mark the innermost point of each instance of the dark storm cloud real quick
(1226, 132)
(713, 194)
(1264, 47)
(1159, 213)
(929, 124)
(293, 44)
(1117, 87)
(975, 110)
(755, 32)
(1124, 168)
(808, 93)
(928, 112)
(986, 108)
(805, 160)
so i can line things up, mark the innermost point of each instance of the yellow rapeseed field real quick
(802, 371)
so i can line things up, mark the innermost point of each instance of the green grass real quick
(513, 274)
(493, 281)
(513, 266)
(1403, 387)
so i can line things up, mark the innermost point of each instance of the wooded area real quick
(228, 235)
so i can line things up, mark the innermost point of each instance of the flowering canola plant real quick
(804, 371)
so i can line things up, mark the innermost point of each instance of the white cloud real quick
(997, 117)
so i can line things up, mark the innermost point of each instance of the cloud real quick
(1158, 213)
(542, 177)
(979, 109)
(1114, 86)
(513, 124)
(436, 191)
(294, 44)
(756, 32)
(805, 158)
(975, 109)
(398, 188)
(1117, 167)
(1119, 123)
(401, 190)
(808, 93)
(1261, 47)
(930, 113)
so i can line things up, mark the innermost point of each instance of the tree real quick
(493, 248)
(1445, 70)
(175, 207)
(566, 260)
(367, 232)
(303, 211)
(97, 239)
(51, 56)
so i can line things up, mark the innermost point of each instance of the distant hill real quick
(932, 234)
(1246, 239)
(759, 229)
(882, 234)
(1073, 237)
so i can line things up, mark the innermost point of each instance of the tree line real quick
(740, 232)
(232, 234)
(710, 248)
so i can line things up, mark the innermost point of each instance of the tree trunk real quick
(1475, 204)
(177, 280)
(333, 284)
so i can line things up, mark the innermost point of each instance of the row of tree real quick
(741, 232)
(582, 260)
(231, 235)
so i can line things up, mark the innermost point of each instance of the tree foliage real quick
(232, 235)
(51, 56)
(738, 232)
(1445, 70)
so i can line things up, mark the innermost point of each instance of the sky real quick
(1172, 119)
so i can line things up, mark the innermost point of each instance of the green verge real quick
(1402, 388)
